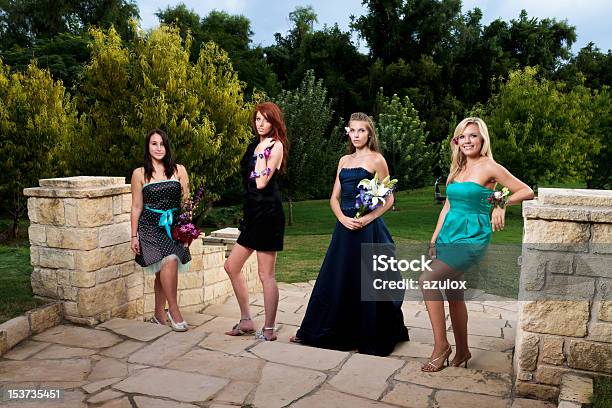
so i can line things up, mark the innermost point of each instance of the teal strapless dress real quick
(466, 231)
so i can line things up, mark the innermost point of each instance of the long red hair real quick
(274, 115)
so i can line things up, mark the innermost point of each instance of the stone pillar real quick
(565, 296)
(80, 247)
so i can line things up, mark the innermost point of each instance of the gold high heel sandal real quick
(443, 356)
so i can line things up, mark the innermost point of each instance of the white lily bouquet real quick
(372, 193)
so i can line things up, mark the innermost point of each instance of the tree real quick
(230, 32)
(600, 128)
(402, 139)
(313, 153)
(404, 29)
(64, 56)
(23, 22)
(36, 116)
(126, 92)
(592, 64)
(55, 32)
(539, 129)
(329, 52)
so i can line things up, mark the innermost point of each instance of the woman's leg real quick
(233, 266)
(459, 320)
(435, 309)
(160, 299)
(266, 263)
(169, 283)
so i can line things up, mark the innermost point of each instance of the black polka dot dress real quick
(160, 199)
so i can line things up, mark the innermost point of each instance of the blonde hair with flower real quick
(458, 159)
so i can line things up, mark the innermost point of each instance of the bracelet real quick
(266, 153)
(255, 174)
(134, 236)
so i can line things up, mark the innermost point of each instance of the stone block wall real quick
(80, 250)
(565, 296)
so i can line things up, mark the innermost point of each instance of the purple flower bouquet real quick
(184, 230)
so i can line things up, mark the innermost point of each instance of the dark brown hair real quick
(169, 164)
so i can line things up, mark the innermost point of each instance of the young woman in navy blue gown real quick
(336, 317)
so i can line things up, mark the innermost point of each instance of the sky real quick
(590, 17)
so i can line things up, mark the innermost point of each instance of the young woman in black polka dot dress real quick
(157, 189)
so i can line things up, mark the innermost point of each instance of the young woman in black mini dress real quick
(157, 189)
(263, 225)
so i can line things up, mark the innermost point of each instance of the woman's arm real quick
(184, 180)
(520, 192)
(334, 201)
(272, 162)
(136, 210)
(440, 222)
(380, 167)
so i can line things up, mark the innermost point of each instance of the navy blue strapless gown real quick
(336, 318)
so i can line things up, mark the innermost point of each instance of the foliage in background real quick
(444, 150)
(125, 92)
(446, 61)
(313, 149)
(402, 137)
(37, 116)
(539, 129)
(600, 128)
(233, 34)
(55, 32)
(330, 53)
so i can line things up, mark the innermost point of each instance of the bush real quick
(402, 138)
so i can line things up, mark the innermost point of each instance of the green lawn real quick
(602, 392)
(15, 291)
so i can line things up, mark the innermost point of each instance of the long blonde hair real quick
(372, 136)
(458, 159)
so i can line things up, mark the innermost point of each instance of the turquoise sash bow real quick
(165, 219)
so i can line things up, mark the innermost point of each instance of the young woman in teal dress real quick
(463, 232)
(157, 190)
(336, 316)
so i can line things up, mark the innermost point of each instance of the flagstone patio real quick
(129, 363)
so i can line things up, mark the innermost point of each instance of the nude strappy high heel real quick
(442, 357)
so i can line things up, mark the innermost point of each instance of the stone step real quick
(229, 232)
